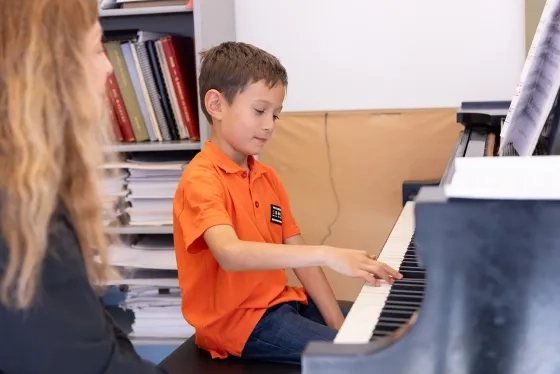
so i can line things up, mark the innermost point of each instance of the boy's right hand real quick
(359, 264)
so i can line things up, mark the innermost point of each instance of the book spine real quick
(124, 83)
(179, 126)
(114, 122)
(162, 90)
(126, 49)
(120, 111)
(146, 71)
(179, 88)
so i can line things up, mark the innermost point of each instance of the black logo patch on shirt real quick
(275, 214)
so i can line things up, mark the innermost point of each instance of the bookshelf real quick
(209, 23)
(172, 145)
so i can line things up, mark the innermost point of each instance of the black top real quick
(67, 330)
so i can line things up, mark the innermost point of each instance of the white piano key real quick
(364, 314)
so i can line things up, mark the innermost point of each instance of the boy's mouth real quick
(263, 140)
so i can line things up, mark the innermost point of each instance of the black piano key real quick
(404, 292)
(393, 319)
(409, 299)
(412, 274)
(387, 326)
(405, 284)
(396, 313)
(398, 308)
(405, 297)
(403, 304)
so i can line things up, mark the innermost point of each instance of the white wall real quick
(384, 54)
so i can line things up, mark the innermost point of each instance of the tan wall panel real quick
(533, 11)
(344, 176)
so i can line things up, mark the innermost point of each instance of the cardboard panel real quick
(533, 12)
(344, 172)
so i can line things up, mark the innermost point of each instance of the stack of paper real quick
(114, 191)
(150, 252)
(505, 178)
(154, 296)
(151, 183)
(157, 313)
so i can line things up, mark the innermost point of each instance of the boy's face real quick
(249, 121)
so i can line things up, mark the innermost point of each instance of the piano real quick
(457, 277)
(379, 311)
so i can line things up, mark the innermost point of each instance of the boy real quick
(233, 230)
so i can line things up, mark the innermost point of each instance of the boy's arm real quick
(234, 254)
(199, 207)
(317, 286)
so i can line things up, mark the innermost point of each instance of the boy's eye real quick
(260, 112)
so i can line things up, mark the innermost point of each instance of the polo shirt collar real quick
(225, 163)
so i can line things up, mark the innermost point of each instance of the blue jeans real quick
(284, 330)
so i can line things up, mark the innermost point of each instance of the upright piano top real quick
(483, 113)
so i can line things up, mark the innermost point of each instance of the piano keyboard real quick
(381, 310)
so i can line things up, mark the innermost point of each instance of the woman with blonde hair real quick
(53, 73)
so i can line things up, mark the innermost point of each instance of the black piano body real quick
(491, 300)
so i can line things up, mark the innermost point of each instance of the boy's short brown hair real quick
(231, 66)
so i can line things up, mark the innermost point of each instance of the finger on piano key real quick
(397, 301)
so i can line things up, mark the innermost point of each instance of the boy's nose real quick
(268, 125)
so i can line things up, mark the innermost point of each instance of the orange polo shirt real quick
(224, 307)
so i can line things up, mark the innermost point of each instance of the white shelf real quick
(139, 230)
(174, 145)
(144, 11)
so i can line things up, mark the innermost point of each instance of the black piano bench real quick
(189, 359)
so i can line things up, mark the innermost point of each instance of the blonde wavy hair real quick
(52, 133)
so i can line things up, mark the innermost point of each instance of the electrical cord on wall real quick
(331, 179)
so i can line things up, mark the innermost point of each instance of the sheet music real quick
(505, 178)
(538, 86)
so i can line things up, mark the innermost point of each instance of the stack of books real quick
(114, 191)
(151, 181)
(157, 313)
(152, 91)
(132, 4)
(152, 297)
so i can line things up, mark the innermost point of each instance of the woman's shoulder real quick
(62, 257)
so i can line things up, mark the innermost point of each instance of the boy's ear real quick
(213, 104)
